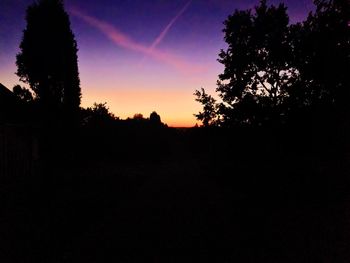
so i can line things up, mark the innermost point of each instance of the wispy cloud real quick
(124, 41)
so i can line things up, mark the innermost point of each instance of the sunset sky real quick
(140, 55)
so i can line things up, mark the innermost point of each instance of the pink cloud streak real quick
(124, 41)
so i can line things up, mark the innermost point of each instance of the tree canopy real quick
(22, 93)
(97, 115)
(321, 45)
(47, 60)
(154, 118)
(273, 69)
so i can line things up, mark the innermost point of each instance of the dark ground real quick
(180, 196)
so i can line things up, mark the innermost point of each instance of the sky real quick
(140, 56)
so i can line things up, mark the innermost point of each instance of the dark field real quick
(180, 195)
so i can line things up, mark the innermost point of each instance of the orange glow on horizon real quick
(176, 108)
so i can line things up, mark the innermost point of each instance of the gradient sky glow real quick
(140, 55)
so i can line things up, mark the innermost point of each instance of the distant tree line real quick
(99, 115)
(276, 72)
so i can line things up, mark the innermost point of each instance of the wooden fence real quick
(18, 151)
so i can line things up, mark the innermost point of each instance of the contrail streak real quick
(126, 42)
(167, 28)
(161, 36)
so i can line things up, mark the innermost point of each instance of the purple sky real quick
(140, 55)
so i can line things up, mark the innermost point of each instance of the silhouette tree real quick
(274, 70)
(257, 73)
(48, 58)
(322, 55)
(154, 119)
(22, 93)
(210, 112)
(138, 116)
(97, 115)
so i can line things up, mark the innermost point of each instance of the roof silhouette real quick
(8, 104)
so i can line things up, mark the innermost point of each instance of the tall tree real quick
(48, 58)
(257, 73)
(322, 55)
(274, 70)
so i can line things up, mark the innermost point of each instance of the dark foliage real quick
(210, 111)
(48, 60)
(321, 47)
(154, 121)
(154, 118)
(23, 94)
(275, 71)
(138, 117)
(97, 115)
